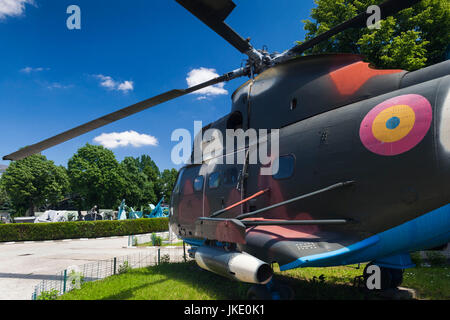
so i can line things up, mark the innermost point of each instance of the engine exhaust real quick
(235, 265)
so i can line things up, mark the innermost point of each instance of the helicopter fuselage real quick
(388, 131)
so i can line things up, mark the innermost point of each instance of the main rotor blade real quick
(213, 13)
(387, 8)
(117, 115)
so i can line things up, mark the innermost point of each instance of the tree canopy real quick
(139, 187)
(99, 179)
(5, 201)
(414, 38)
(96, 176)
(34, 182)
(167, 182)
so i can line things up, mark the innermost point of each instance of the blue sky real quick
(53, 79)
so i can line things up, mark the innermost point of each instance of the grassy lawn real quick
(186, 281)
(431, 283)
(175, 281)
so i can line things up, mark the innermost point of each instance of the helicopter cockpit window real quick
(177, 188)
(286, 165)
(214, 180)
(198, 183)
(231, 176)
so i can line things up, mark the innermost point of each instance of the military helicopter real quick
(363, 167)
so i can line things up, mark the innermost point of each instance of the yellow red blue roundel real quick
(396, 125)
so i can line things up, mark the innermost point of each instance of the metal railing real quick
(74, 276)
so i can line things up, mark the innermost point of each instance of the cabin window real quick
(293, 104)
(198, 183)
(177, 187)
(214, 180)
(231, 176)
(286, 165)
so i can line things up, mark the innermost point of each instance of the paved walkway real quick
(24, 264)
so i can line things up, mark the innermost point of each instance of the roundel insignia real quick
(396, 125)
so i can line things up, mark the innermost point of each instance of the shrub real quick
(156, 241)
(123, 268)
(165, 258)
(436, 258)
(416, 258)
(76, 278)
(80, 229)
(48, 295)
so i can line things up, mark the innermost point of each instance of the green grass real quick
(430, 283)
(186, 281)
(150, 244)
(174, 281)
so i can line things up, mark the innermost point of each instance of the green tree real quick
(149, 167)
(96, 176)
(34, 182)
(5, 201)
(166, 183)
(151, 170)
(139, 189)
(411, 39)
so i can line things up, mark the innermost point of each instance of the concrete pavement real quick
(24, 264)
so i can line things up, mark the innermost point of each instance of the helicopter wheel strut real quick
(390, 277)
(270, 291)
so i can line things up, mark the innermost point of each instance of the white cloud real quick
(57, 85)
(13, 8)
(197, 76)
(30, 69)
(125, 86)
(111, 84)
(126, 138)
(106, 81)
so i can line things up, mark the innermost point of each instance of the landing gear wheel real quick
(284, 291)
(390, 278)
(396, 277)
(259, 292)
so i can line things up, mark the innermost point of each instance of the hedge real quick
(80, 229)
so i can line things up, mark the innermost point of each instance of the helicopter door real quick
(190, 198)
(223, 188)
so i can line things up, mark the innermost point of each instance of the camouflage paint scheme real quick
(341, 103)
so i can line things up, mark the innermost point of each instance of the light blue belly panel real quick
(429, 230)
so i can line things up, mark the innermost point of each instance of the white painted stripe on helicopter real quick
(444, 128)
